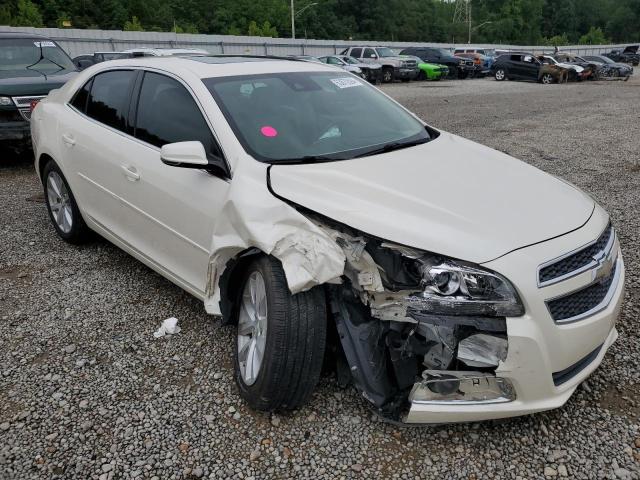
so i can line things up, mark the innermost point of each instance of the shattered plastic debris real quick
(481, 350)
(168, 327)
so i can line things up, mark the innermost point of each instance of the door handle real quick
(68, 139)
(131, 173)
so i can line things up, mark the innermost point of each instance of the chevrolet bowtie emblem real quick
(605, 264)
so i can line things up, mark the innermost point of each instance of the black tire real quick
(79, 232)
(295, 343)
(388, 75)
(500, 74)
(421, 75)
(547, 79)
(453, 72)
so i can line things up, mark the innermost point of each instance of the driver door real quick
(170, 212)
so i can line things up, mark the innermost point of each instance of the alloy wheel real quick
(252, 328)
(59, 202)
(547, 78)
(500, 75)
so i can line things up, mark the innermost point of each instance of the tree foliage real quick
(524, 22)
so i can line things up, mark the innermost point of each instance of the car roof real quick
(224, 65)
(165, 51)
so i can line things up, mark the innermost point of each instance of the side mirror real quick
(184, 154)
(373, 55)
(192, 155)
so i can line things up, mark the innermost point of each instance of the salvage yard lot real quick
(86, 391)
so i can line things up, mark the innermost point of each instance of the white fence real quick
(77, 42)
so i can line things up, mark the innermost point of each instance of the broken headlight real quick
(455, 289)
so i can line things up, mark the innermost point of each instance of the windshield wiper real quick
(390, 147)
(305, 159)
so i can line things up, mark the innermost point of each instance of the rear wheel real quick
(61, 204)
(500, 74)
(280, 339)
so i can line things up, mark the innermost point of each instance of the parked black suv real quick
(516, 66)
(30, 66)
(458, 67)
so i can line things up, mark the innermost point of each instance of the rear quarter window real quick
(108, 101)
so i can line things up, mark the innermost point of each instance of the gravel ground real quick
(87, 392)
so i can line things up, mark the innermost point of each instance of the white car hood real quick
(450, 196)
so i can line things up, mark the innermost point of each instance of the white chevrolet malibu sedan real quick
(449, 282)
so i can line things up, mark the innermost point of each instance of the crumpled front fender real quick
(252, 217)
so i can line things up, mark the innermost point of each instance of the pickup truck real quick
(30, 66)
(394, 67)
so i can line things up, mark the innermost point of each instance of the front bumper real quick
(15, 131)
(406, 73)
(546, 360)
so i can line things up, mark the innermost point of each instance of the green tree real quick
(595, 36)
(133, 26)
(266, 30)
(28, 15)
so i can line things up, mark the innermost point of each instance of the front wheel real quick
(387, 75)
(280, 339)
(547, 78)
(500, 74)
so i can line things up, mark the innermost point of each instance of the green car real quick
(30, 66)
(429, 71)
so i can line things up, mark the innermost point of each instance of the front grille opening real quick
(568, 373)
(7, 116)
(577, 303)
(576, 261)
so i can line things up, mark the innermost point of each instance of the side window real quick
(356, 52)
(79, 100)
(108, 101)
(167, 113)
(333, 61)
(368, 53)
(516, 58)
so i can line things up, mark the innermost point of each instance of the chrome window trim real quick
(594, 263)
(598, 308)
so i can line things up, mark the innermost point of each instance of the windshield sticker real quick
(269, 131)
(346, 82)
(44, 44)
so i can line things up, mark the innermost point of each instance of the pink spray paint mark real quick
(268, 131)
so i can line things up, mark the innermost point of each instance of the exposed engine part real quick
(398, 349)
(482, 350)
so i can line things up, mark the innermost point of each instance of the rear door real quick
(170, 211)
(93, 133)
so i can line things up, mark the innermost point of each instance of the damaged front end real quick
(418, 328)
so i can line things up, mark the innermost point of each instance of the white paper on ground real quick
(168, 327)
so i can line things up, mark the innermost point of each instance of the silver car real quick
(371, 72)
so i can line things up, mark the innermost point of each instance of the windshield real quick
(312, 116)
(23, 53)
(386, 52)
(605, 59)
(350, 60)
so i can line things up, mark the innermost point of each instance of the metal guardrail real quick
(78, 41)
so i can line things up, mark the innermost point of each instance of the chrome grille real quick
(26, 114)
(577, 262)
(25, 102)
(586, 301)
